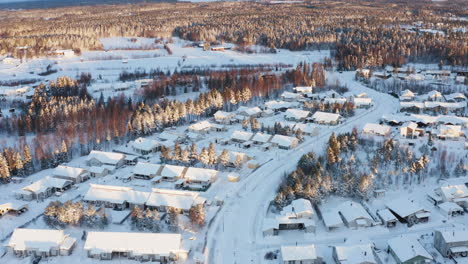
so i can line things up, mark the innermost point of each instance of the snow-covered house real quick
(279, 106)
(241, 136)
(98, 171)
(43, 188)
(159, 247)
(249, 111)
(303, 89)
(362, 102)
(261, 138)
(306, 254)
(449, 132)
(163, 199)
(452, 242)
(115, 197)
(296, 115)
(332, 220)
(14, 207)
(237, 159)
(172, 172)
(167, 136)
(454, 193)
(406, 250)
(307, 129)
(100, 158)
(284, 142)
(433, 96)
(411, 130)
(408, 211)
(202, 127)
(407, 96)
(76, 175)
(144, 170)
(145, 146)
(199, 178)
(376, 129)
(222, 117)
(326, 118)
(455, 97)
(40, 242)
(388, 219)
(300, 208)
(451, 209)
(355, 254)
(272, 226)
(290, 97)
(354, 215)
(64, 52)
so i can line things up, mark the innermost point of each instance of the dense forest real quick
(359, 33)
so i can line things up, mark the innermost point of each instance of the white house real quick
(98, 171)
(14, 207)
(388, 219)
(202, 127)
(326, 118)
(354, 215)
(43, 188)
(159, 247)
(115, 197)
(290, 97)
(145, 146)
(452, 192)
(279, 105)
(284, 142)
(249, 111)
(406, 249)
(409, 211)
(296, 115)
(303, 89)
(222, 117)
(307, 129)
(452, 242)
(407, 95)
(305, 254)
(40, 242)
(451, 209)
(144, 170)
(261, 138)
(449, 132)
(411, 130)
(300, 208)
(355, 254)
(241, 136)
(332, 220)
(376, 129)
(362, 102)
(272, 226)
(163, 199)
(199, 178)
(76, 175)
(172, 172)
(101, 158)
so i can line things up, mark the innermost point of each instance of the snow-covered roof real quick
(223, 115)
(284, 141)
(46, 183)
(97, 170)
(296, 113)
(450, 192)
(115, 194)
(200, 126)
(67, 171)
(455, 96)
(162, 244)
(41, 239)
(14, 205)
(332, 219)
(106, 157)
(144, 144)
(407, 93)
(173, 198)
(405, 207)
(386, 215)
(454, 235)
(299, 206)
(355, 254)
(303, 89)
(325, 117)
(289, 95)
(144, 168)
(249, 111)
(407, 248)
(262, 137)
(306, 128)
(278, 104)
(291, 253)
(450, 207)
(171, 171)
(450, 130)
(200, 174)
(352, 211)
(376, 129)
(241, 135)
(167, 136)
(359, 101)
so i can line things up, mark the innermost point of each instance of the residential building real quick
(40, 243)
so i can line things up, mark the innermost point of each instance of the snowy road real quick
(236, 233)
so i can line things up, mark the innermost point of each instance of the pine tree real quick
(165, 154)
(197, 215)
(177, 152)
(238, 161)
(212, 154)
(193, 152)
(27, 160)
(224, 157)
(204, 157)
(4, 170)
(185, 156)
(18, 164)
(245, 124)
(173, 219)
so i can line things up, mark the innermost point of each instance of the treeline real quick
(58, 214)
(361, 33)
(353, 166)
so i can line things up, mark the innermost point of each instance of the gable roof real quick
(407, 248)
(296, 113)
(284, 141)
(404, 207)
(115, 194)
(325, 117)
(144, 144)
(174, 198)
(67, 171)
(42, 239)
(144, 168)
(241, 135)
(46, 183)
(106, 157)
(376, 129)
(355, 254)
(171, 171)
(450, 192)
(262, 137)
(352, 211)
(200, 174)
(306, 252)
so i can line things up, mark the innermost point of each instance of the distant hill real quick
(33, 4)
